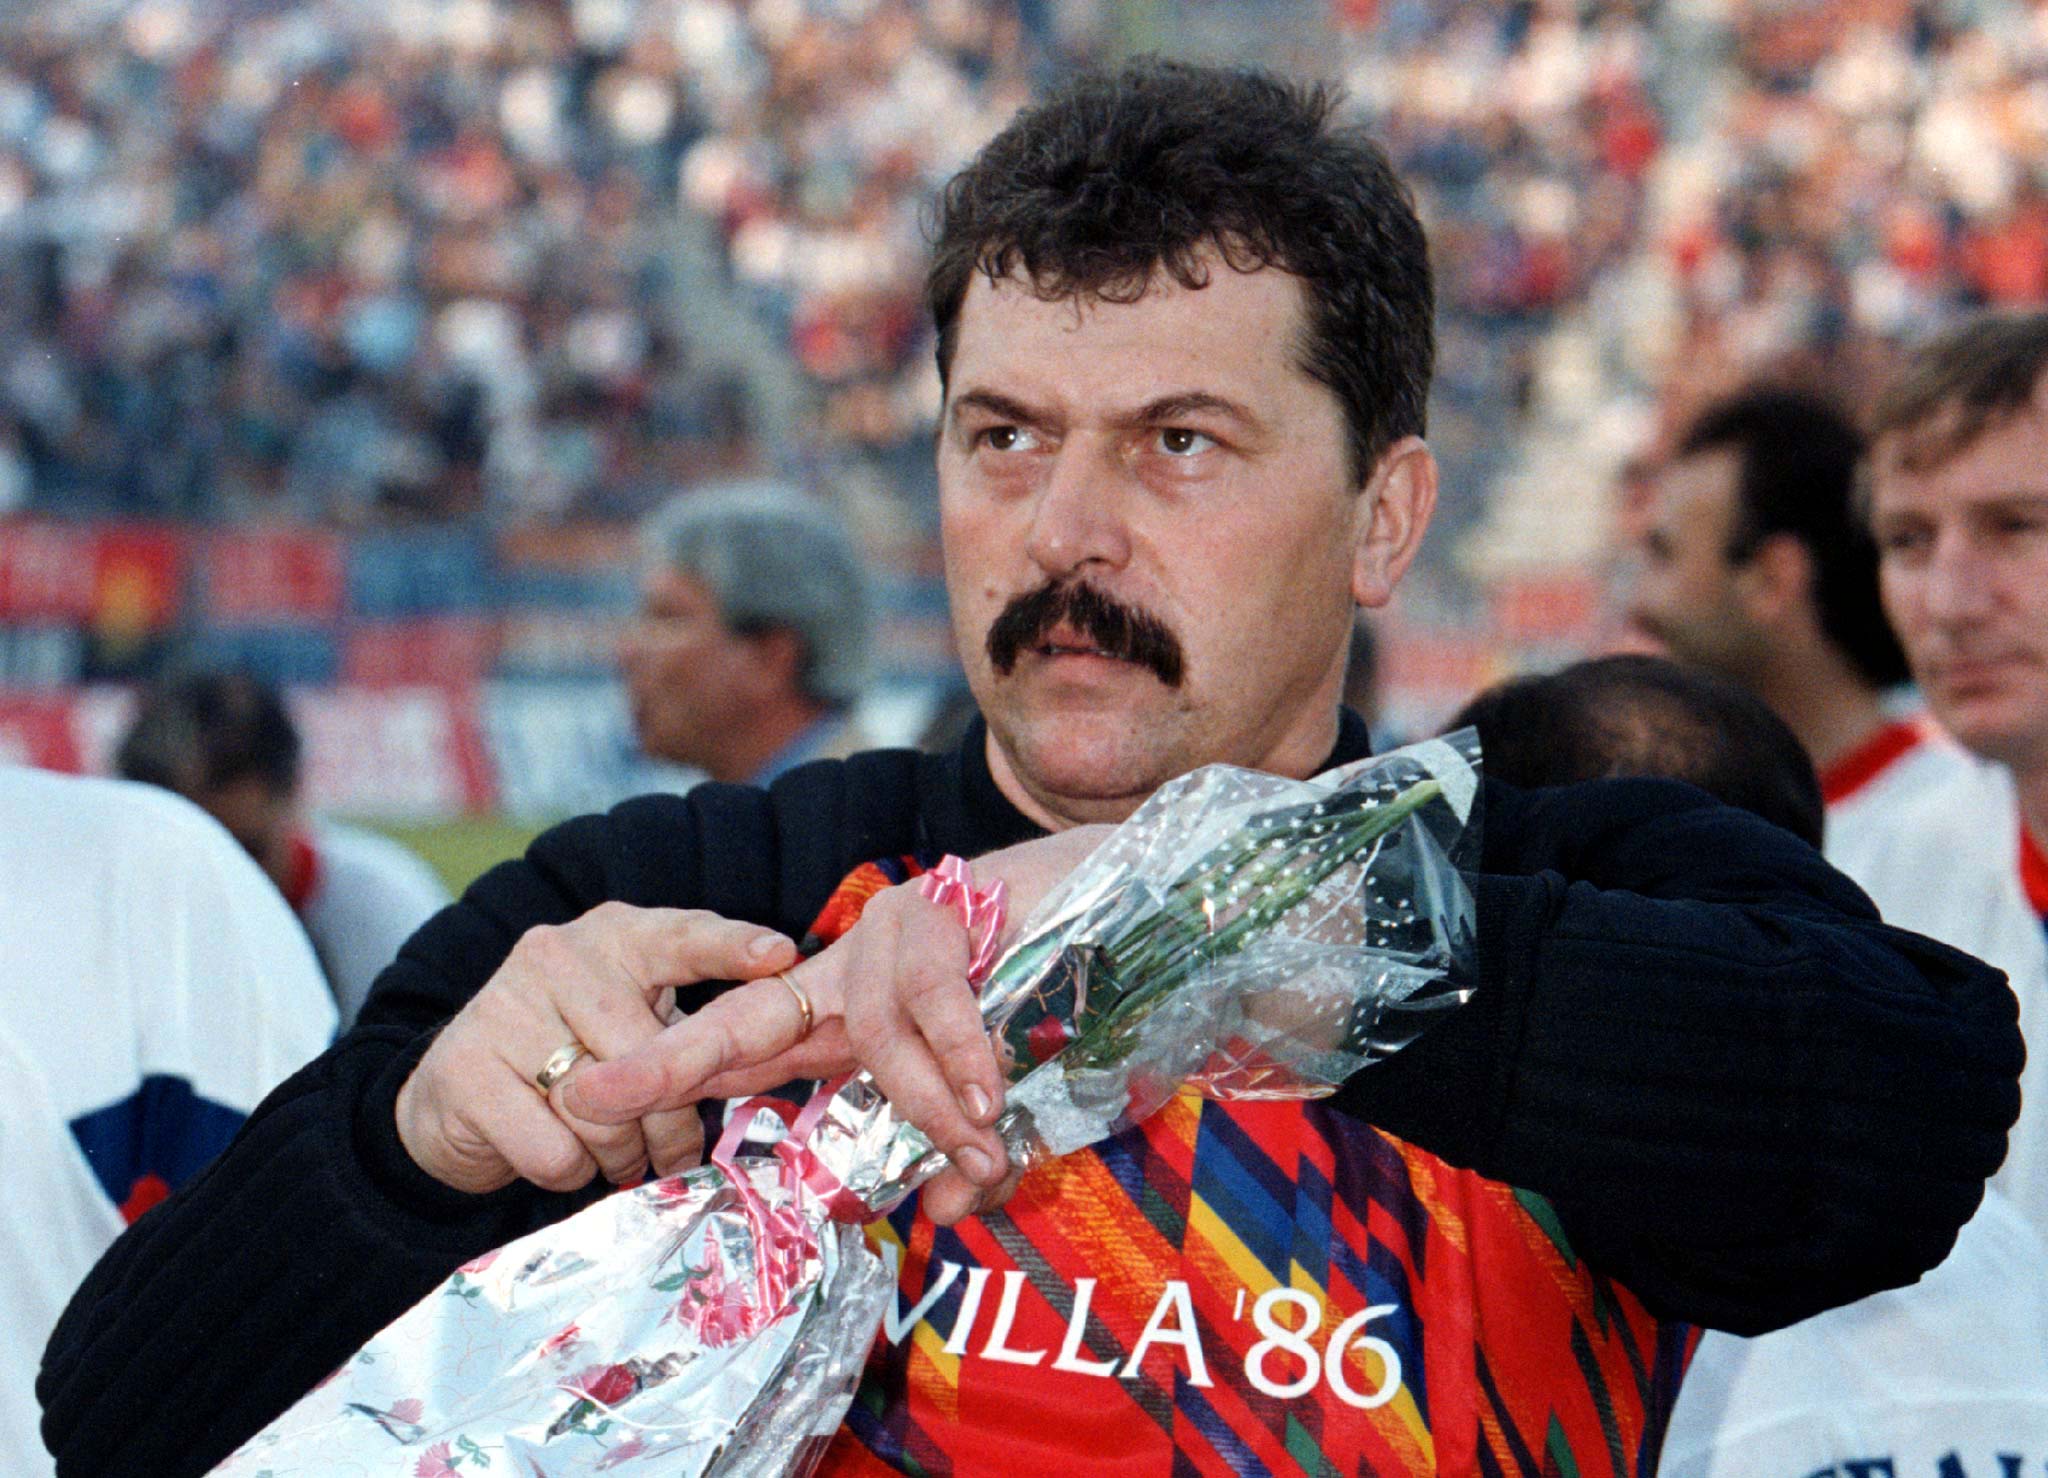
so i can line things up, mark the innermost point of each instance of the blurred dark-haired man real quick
(226, 742)
(1755, 564)
(1184, 342)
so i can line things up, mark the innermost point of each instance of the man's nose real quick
(1960, 583)
(1078, 518)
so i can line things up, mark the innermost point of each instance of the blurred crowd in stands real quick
(429, 260)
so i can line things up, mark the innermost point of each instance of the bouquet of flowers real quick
(1244, 934)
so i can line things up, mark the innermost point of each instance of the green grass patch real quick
(461, 850)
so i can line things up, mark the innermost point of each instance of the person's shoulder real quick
(373, 858)
(1951, 813)
(93, 811)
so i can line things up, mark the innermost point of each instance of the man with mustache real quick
(1184, 339)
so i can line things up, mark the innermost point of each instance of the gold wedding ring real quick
(557, 1066)
(803, 1002)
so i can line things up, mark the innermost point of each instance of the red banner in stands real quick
(74, 731)
(397, 752)
(440, 651)
(119, 579)
(269, 576)
(47, 572)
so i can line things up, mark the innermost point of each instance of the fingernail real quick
(974, 1098)
(975, 1163)
(765, 945)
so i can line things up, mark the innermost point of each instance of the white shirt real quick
(369, 894)
(156, 988)
(1958, 1363)
(1865, 801)
(1954, 1365)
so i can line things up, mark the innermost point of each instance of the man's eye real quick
(1900, 541)
(1179, 441)
(1007, 439)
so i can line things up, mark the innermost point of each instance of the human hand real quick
(473, 1115)
(892, 997)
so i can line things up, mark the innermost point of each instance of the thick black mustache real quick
(1119, 630)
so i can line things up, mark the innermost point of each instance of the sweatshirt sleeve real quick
(222, 1306)
(1748, 1098)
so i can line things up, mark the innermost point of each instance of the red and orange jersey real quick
(1252, 1288)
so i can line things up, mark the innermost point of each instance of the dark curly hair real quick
(1797, 457)
(1119, 176)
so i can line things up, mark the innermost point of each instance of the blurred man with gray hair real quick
(754, 632)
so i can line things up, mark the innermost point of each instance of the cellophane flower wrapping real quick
(1248, 935)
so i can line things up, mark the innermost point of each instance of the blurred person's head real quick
(755, 623)
(1184, 337)
(1639, 715)
(224, 741)
(1753, 560)
(1958, 504)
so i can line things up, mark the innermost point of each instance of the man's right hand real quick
(473, 1116)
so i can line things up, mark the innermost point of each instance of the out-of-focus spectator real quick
(226, 742)
(1755, 563)
(754, 635)
(156, 990)
(1954, 1372)
(1959, 507)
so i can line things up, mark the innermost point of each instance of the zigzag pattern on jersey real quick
(1515, 1358)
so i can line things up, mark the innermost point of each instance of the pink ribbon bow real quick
(982, 911)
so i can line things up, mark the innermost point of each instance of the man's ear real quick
(1400, 497)
(778, 660)
(1775, 583)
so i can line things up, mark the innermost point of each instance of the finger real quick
(741, 1030)
(533, 1141)
(617, 1150)
(675, 1141)
(822, 1055)
(949, 1197)
(620, 1150)
(664, 947)
(909, 1077)
(934, 950)
(925, 960)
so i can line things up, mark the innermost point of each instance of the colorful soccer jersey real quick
(1252, 1288)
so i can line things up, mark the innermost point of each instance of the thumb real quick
(620, 1091)
(744, 1028)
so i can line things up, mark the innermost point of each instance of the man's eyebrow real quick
(1190, 403)
(995, 403)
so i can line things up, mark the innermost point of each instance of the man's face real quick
(1169, 460)
(1687, 595)
(688, 674)
(1963, 567)
(258, 817)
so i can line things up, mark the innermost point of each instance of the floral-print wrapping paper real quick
(1250, 935)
